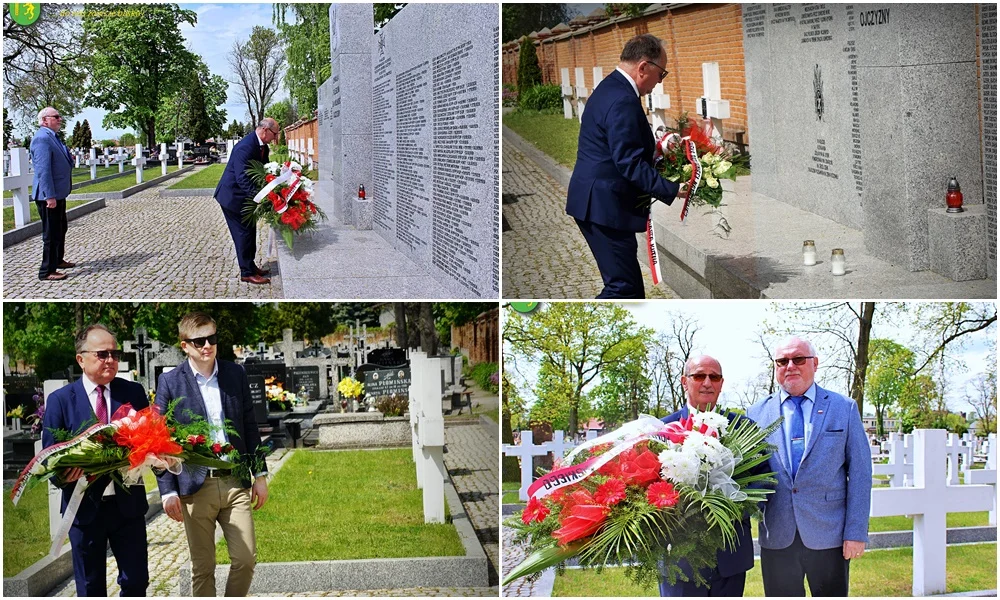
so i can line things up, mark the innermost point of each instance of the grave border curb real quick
(16, 236)
(169, 193)
(470, 570)
(84, 184)
(135, 189)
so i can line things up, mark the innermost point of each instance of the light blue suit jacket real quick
(53, 166)
(830, 498)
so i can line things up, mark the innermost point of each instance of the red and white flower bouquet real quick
(285, 199)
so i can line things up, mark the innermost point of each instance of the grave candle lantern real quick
(809, 253)
(954, 197)
(838, 265)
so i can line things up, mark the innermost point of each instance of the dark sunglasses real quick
(104, 354)
(663, 73)
(699, 377)
(798, 360)
(201, 341)
(55, 116)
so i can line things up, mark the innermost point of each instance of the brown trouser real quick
(222, 500)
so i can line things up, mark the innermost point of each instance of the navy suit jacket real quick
(614, 160)
(69, 408)
(53, 166)
(237, 407)
(235, 185)
(741, 559)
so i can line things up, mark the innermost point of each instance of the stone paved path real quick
(142, 246)
(544, 254)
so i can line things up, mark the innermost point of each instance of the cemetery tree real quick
(236, 130)
(579, 340)
(428, 335)
(40, 334)
(200, 129)
(447, 314)
(890, 368)
(257, 64)
(399, 310)
(625, 386)
(384, 12)
(944, 325)
(512, 405)
(74, 139)
(284, 113)
(349, 312)
(139, 57)
(127, 140)
(309, 320)
(86, 136)
(8, 127)
(178, 117)
(304, 30)
(521, 19)
(529, 74)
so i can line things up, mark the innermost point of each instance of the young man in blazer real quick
(218, 391)
(817, 519)
(108, 515)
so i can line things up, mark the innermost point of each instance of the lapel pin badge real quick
(819, 412)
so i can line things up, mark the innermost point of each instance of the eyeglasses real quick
(199, 342)
(104, 354)
(53, 116)
(700, 377)
(663, 72)
(274, 132)
(798, 360)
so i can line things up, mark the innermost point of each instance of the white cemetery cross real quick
(959, 458)
(987, 476)
(567, 93)
(18, 182)
(900, 465)
(139, 162)
(92, 163)
(6, 162)
(929, 501)
(55, 494)
(312, 151)
(180, 155)
(107, 159)
(527, 450)
(229, 149)
(582, 93)
(430, 438)
(416, 382)
(76, 158)
(711, 105)
(658, 103)
(163, 158)
(120, 159)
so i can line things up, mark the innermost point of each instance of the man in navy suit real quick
(107, 515)
(702, 381)
(614, 167)
(817, 519)
(50, 185)
(235, 188)
(219, 392)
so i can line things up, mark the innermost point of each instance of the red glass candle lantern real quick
(954, 197)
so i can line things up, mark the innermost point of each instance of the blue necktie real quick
(798, 434)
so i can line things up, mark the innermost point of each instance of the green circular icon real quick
(24, 13)
(524, 307)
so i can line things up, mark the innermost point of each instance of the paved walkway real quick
(544, 254)
(142, 246)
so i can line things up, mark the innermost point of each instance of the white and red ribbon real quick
(290, 175)
(691, 152)
(654, 254)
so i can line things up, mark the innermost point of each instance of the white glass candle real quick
(838, 265)
(809, 253)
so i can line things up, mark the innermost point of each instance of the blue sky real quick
(219, 25)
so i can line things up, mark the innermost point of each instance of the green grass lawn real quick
(81, 175)
(510, 495)
(206, 178)
(347, 505)
(8, 212)
(550, 133)
(123, 183)
(877, 573)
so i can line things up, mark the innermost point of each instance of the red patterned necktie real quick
(262, 149)
(102, 408)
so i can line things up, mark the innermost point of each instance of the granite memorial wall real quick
(861, 113)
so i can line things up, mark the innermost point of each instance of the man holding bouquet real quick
(217, 391)
(614, 167)
(107, 515)
(702, 382)
(235, 187)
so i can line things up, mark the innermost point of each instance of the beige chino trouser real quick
(220, 500)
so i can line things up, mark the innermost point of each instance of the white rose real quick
(722, 167)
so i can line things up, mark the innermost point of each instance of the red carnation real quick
(662, 494)
(217, 447)
(610, 492)
(641, 469)
(581, 520)
(535, 512)
(196, 439)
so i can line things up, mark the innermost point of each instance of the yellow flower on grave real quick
(350, 388)
(16, 413)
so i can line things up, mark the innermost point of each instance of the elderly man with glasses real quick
(235, 189)
(614, 179)
(817, 519)
(50, 185)
(107, 515)
(219, 392)
(702, 382)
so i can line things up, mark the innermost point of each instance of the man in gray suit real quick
(817, 519)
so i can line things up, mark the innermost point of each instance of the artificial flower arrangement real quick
(647, 493)
(284, 201)
(350, 387)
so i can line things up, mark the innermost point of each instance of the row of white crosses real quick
(427, 429)
(899, 468)
(302, 151)
(580, 92)
(933, 494)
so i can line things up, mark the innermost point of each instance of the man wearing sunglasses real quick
(107, 515)
(614, 167)
(817, 519)
(50, 185)
(235, 188)
(702, 382)
(219, 392)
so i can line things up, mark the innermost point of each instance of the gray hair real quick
(643, 47)
(45, 112)
(81, 338)
(265, 123)
(793, 340)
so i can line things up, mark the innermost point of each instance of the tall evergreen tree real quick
(74, 139)
(86, 136)
(199, 127)
(529, 74)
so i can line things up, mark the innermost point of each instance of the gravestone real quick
(388, 357)
(120, 158)
(387, 382)
(92, 163)
(138, 162)
(259, 397)
(861, 114)
(18, 182)
(163, 158)
(180, 155)
(307, 377)
(567, 93)
(435, 115)
(987, 476)
(428, 436)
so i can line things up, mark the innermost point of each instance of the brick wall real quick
(693, 34)
(480, 339)
(302, 130)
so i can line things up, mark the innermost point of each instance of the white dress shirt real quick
(788, 409)
(635, 88)
(209, 388)
(91, 388)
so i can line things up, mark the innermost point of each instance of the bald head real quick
(794, 378)
(268, 130)
(702, 381)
